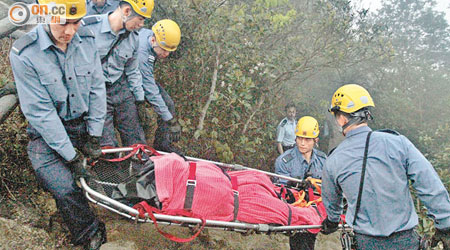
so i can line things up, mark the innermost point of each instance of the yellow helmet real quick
(307, 127)
(350, 98)
(75, 9)
(167, 34)
(142, 7)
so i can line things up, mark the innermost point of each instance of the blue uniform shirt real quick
(292, 164)
(54, 86)
(147, 59)
(386, 203)
(122, 65)
(286, 132)
(110, 5)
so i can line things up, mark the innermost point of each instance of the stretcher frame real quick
(246, 228)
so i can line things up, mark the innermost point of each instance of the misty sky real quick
(442, 5)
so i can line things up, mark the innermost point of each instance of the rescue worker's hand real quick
(174, 130)
(329, 227)
(77, 166)
(91, 147)
(8, 89)
(142, 113)
(442, 235)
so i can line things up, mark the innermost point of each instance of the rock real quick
(119, 245)
(18, 236)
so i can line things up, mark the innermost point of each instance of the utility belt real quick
(75, 128)
(76, 121)
(285, 148)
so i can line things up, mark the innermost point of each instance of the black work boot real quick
(97, 239)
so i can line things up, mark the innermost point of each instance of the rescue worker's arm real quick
(152, 93)
(38, 107)
(134, 75)
(280, 136)
(97, 100)
(428, 185)
(280, 148)
(331, 194)
(281, 169)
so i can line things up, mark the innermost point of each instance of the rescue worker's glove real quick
(91, 147)
(77, 166)
(329, 227)
(143, 115)
(8, 89)
(174, 130)
(442, 235)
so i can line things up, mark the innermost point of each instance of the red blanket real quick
(213, 196)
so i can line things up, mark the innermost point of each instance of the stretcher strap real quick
(190, 186)
(234, 187)
(144, 209)
(290, 215)
(135, 149)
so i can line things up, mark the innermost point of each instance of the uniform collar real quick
(100, 9)
(106, 26)
(45, 42)
(44, 39)
(150, 49)
(363, 129)
(289, 121)
(300, 156)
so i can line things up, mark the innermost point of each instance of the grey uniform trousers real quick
(404, 240)
(121, 114)
(54, 175)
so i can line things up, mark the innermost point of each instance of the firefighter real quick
(286, 130)
(117, 42)
(62, 94)
(380, 207)
(98, 7)
(301, 162)
(158, 43)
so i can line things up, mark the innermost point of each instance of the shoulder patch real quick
(85, 31)
(390, 131)
(283, 122)
(287, 158)
(23, 42)
(151, 59)
(90, 20)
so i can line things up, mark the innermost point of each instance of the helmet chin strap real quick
(49, 32)
(357, 118)
(124, 20)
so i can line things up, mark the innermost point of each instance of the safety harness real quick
(347, 238)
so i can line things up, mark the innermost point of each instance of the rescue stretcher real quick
(98, 191)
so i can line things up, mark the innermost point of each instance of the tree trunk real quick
(7, 104)
(6, 27)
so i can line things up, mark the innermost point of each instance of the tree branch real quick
(258, 107)
(211, 92)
